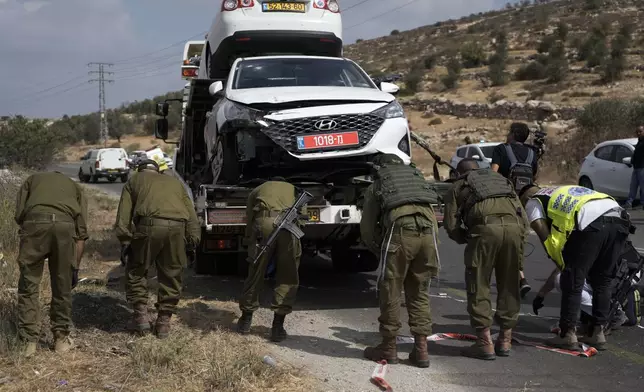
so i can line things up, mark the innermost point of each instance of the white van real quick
(246, 28)
(110, 163)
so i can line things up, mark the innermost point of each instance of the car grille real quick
(284, 133)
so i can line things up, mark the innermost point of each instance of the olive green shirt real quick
(151, 194)
(53, 192)
(270, 196)
(373, 225)
(453, 221)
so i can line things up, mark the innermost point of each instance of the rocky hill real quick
(473, 76)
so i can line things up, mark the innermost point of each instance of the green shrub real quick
(532, 71)
(472, 55)
(29, 143)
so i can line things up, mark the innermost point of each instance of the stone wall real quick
(527, 111)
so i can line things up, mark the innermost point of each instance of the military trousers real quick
(494, 247)
(286, 251)
(162, 242)
(45, 236)
(410, 264)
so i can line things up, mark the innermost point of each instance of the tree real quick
(592, 5)
(453, 73)
(616, 63)
(594, 49)
(29, 143)
(119, 125)
(413, 78)
(498, 61)
(473, 55)
(557, 68)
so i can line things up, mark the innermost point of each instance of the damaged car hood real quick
(277, 95)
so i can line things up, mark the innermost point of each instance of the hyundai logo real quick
(326, 125)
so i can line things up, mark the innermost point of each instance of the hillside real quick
(472, 77)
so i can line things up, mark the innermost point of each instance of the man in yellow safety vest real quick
(583, 232)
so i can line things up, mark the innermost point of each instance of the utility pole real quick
(101, 95)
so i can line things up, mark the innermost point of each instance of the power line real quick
(355, 5)
(182, 42)
(383, 14)
(101, 94)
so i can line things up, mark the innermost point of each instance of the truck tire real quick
(124, 178)
(353, 260)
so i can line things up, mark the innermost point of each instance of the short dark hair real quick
(466, 165)
(520, 131)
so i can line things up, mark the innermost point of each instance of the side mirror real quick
(389, 88)
(216, 88)
(162, 109)
(161, 129)
(477, 157)
(627, 161)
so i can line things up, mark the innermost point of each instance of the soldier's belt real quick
(268, 214)
(497, 219)
(145, 221)
(40, 217)
(414, 231)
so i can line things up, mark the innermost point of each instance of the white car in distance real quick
(607, 168)
(260, 27)
(482, 152)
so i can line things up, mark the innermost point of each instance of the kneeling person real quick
(495, 229)
(398, 223)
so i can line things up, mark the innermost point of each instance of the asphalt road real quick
(351, 300)
(71, 169)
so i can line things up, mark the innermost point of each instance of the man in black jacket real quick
(501, 163)
(637, 178)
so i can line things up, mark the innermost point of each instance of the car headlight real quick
(234, 110)
(393, 110)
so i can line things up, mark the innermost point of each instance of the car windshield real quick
(292, 72)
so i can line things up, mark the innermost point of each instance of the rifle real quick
(285, 220)
(437, 160)
(629, 264)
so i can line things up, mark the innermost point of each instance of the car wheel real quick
(93, 178)
(225, 166)
(124, 178)
(81, 177)
(585, 182)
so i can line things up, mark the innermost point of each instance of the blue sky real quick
(46, 45)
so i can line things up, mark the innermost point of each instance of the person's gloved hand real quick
(191, 254)
(537, 304)
(125, 252)
(74, 277)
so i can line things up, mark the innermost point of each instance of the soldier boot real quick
(483, 348)
(244, 323)
(596, 339)
(162, 325)
(386, 350)
(62, 342)
(278, 333)
(503, 343)
(140, 320)
(418, 355)
(567, 342)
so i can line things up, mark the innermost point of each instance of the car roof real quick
(631, 141)
(293, 56)
(484, 144)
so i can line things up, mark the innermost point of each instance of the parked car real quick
(110, 163)
(607, 168)
(136, 156)
(482, 152)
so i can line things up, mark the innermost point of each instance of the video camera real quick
(539, 143)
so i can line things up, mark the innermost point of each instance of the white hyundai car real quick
(607, 168)
(296, 114)
(249, 27)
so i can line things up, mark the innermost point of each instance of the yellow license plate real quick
(283, 7)
(314, 214)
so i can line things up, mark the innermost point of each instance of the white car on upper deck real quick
(312, 114)
(262, 27)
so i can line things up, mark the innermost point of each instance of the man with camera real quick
(517, 162)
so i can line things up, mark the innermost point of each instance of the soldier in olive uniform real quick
(155, 223)
(399, 225)
(52, 213)
(494, 230)
(264, 204)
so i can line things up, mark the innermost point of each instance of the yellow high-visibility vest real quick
(563, 205)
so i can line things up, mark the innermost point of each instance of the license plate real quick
(328, 140)
(283, 7)
(232, 230)
(314, 214)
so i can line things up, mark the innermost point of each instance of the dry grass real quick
(201, 354)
